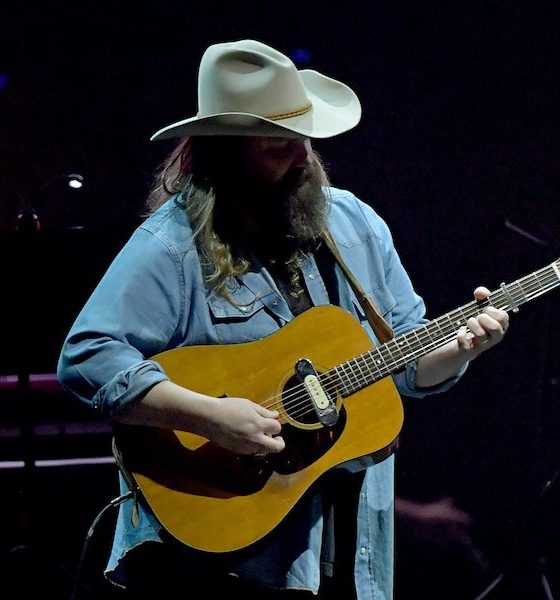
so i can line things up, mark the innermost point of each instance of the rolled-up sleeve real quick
(132, 314)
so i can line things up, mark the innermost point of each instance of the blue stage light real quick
(301, 56)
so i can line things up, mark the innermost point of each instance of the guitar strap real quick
(382, 329)
(340, 510)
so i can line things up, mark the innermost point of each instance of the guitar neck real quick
(393, 355)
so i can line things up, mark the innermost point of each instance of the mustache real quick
(296, 178)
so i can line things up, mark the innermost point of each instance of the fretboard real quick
(390, 357)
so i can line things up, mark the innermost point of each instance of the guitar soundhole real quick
(304, 445)
(298, 405)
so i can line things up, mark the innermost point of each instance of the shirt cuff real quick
(126, 386)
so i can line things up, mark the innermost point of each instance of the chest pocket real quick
(246, 321)
(366, 265)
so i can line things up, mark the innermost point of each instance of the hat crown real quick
(249, 77)
(247, 88)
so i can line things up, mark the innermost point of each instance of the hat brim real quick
(335, 109)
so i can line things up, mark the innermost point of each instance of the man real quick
(231, 252)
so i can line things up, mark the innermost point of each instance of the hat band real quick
(277, 116)
(292, 113)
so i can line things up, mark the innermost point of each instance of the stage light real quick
(301, 56)
(75, 181)
(62, 201)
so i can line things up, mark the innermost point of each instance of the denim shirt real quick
(153, 298)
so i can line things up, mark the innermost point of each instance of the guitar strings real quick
(538, 288)
(297, 400)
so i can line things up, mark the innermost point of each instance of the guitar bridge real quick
(322, 403)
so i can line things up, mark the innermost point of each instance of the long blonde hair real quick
(191, 171)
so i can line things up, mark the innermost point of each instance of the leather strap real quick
(382, 329)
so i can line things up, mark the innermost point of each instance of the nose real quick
(302, 152)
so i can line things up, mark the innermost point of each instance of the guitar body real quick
(216, 501)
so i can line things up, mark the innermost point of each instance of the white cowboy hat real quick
(248, 88)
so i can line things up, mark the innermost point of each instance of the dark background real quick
(458, 149)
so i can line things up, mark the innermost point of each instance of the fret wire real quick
(523, 297)
(376, 363)
(441, 327)
(371, 367)
(393, 345)
(359, 383)
(515, 296)
(352, 363)
(406, 341)
(372, 375)
(539, 293)
(534, 283)
(459, 317)
(416, 333)
(394, 351)
(401, 355)
(536, 277)
(516, 292)
(349, 373)
(433, 325)
(342, 377)
(535, 287)
(414, 343)
(412, 349)
(357, 379)
(425, 333)
(359, 362)
(540, 289)
(385, 353)
(499, 300)
(553, 277)
(453, 323)
(381, 360)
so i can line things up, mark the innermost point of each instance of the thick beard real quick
(274, 219)
(306, 207)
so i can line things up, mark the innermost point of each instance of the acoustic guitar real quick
(337, 402)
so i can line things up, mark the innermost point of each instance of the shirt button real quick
(243, 308)
(275, 303)
(363, 550)
(312, 276)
